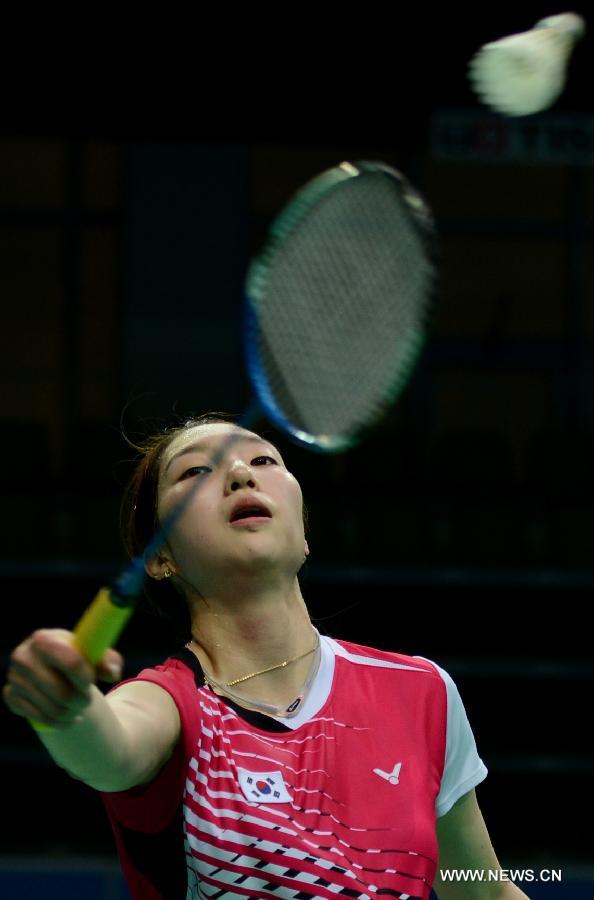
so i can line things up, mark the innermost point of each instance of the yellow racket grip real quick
(98, 629)
(101, 625)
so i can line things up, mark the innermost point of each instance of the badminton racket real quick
(335, 316)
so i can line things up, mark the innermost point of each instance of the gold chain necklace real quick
(281, 665)
(269, 669)
(289, 711)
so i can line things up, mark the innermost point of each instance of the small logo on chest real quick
(393, 777)
(263, 787)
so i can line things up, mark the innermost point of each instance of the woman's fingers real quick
(22, 706)
(49, 679)
(109, 668)
(26, 700)
(44, 680)
(56, 650)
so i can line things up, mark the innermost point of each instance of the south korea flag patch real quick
(263, 787)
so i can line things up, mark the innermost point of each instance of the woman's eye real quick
(194, 470)
(264, 460)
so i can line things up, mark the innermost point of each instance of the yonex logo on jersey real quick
(263, 787)
(393, 777)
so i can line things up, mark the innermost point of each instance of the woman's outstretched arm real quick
(111, 743)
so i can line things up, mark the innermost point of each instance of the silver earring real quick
(167, 573)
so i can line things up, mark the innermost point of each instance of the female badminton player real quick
(265, 759)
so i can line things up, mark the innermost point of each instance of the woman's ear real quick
(159, 567)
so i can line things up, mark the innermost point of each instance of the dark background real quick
(136, 180)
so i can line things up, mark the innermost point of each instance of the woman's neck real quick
(241, 637)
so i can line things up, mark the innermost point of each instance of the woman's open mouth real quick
(248, 512)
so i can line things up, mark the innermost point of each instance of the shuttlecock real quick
(525, 73)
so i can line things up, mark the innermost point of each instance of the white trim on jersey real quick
(320, 689)
(372, 661)
(463, 768)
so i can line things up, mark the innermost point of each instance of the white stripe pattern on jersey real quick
(203, 854)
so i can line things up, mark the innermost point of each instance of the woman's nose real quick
(240, 475)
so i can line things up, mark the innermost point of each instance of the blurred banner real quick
(561, 138)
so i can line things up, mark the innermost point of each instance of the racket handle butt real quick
(39, 726)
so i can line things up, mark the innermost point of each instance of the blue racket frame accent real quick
(261, 388)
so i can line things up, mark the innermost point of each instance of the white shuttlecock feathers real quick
(525, 73)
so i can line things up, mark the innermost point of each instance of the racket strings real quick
(342, 306)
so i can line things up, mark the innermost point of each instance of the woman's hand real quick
(49, 680)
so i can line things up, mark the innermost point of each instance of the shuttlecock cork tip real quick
(570, 23)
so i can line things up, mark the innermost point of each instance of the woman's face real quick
(245, 512)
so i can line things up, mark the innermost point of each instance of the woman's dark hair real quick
(139, 516)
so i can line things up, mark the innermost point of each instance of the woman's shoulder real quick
(180, 665)
(174, 675)
(374, 656)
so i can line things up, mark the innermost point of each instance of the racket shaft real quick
(98, 629)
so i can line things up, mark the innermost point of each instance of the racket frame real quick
(282, 227)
